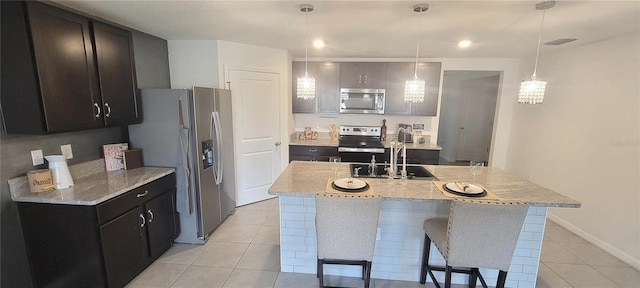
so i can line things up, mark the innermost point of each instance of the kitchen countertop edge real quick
(92, 186)
(300, 179)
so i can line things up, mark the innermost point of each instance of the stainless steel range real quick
(360, 143)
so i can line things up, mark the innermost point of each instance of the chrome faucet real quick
(397, 147)
(372, 166)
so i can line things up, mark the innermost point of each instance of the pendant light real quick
(532, 91)
(306, 86)
(414, 89)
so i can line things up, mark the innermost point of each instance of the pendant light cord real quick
(415, 72)
(535, 69)
(306, 40)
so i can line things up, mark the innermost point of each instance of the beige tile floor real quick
(244, 253)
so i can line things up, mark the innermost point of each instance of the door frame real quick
(452, 143)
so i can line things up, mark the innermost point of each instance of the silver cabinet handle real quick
(313, 150)
(108, 109)
(150, 215)
(278, 143)
(144, 221)
(140, 195)
(98, 108)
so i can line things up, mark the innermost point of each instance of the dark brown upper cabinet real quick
(116, 71)
(53, 79)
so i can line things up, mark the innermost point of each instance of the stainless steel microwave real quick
(361, 101)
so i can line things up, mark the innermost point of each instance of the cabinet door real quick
(327, 87)
(124, 244)
(161, 223)
(375, 75)
(397, 74)
(351, 75)
(66, 70)
(297, 71)
(114, 55)
(430, 72)
(424, 157)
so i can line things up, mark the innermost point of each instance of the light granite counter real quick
(306, 179)
(405, 206)
(93, 184)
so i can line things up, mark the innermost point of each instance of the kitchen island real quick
(405, 206)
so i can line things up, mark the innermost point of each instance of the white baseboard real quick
(624, 257)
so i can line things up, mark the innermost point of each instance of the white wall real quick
(255, 58)
(193, 63)
(504, 110)
(583, 141)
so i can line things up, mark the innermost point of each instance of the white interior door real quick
(476, 118)
(257, 123)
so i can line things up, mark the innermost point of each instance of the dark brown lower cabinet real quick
(124, 244)
(105, 245)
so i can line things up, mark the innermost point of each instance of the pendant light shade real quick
(532, 91)
(306, 86)
(414, 89)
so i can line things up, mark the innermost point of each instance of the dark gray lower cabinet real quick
(311, 153)
(106, 245)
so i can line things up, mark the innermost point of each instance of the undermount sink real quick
(413, 172)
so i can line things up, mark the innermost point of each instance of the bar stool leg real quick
(473, 278)
(447, 277)
(367, 278)
(320, 273)
(425, 259)
(502, 278)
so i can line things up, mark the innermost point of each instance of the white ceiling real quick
(377, 29)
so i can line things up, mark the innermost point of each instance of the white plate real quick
(469, 188)
(350, 183)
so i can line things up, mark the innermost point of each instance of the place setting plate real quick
(350, 185)
(465, 189)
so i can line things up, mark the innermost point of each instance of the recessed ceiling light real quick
(318, 43)
(464, 43)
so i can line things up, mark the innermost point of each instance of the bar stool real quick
(477, 234)
(346, 230)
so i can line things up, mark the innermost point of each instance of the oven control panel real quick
(359, 130)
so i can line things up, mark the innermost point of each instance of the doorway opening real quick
(467, 114)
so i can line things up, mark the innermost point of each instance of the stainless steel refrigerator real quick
(200, 147)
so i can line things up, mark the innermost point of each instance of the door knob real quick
(278, 143)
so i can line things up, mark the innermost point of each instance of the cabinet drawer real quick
(313, 150)
(311, 153)
(117, 206)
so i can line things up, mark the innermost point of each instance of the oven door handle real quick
(363, 150)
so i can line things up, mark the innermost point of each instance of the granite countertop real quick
(93, 185)
(306, 179)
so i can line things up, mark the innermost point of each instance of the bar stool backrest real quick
(346, 227)
(483, 234)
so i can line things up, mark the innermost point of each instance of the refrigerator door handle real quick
(215, 117)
